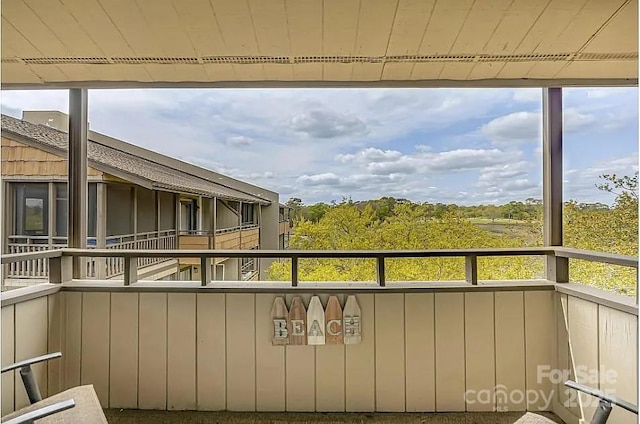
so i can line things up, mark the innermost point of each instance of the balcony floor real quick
(117, 416)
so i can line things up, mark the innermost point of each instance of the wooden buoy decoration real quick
(315, 322)
(351, 321)
(317, 325)
(297, 322)
(333, 319)
(280, 318)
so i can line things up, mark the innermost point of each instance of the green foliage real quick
(398, 224)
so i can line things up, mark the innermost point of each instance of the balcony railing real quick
(39, 268)
(206, 345)
(132, 259)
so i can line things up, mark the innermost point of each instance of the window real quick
(188, 215)
(31, 209)
(247, 213)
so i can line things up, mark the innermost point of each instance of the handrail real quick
(588, 255)
(470, 255)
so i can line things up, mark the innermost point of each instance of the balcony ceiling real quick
(236, 43)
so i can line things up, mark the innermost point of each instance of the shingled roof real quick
(125, 165)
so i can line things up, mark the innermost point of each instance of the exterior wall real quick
(225, 218)
(593, 337)
(30, 329)
(146, 210)
(269, 232)
(20, 160)
(419, 352)
(167, 211)
(250, 238)
(119, 210)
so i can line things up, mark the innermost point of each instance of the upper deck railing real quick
(60, 260)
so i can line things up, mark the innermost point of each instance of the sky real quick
(464, 146)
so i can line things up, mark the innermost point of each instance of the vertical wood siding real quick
(419, 352)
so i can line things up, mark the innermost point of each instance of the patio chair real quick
(76, 405)
(606, 402)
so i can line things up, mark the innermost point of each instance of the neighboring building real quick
(285, 226)
(137, 199)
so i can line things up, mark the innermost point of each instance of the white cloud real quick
(422, 144)
(528, 95)
(239, 141)
(370, 154)
(520, 127)
(320, 179)
(327, 124)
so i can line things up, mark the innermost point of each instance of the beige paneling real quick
(330, 378)
(14, 44)
(614, 37)
(168, 31)
(123, 390)
(56, 334)
(375, 21)
(305, 27)
(618, 341)
(330, 373)
(92, 17)
(8, 348)
(449, 342)
(202, 28)
(389, 342)
(211, 351)
(549, 26)
(337, 71)
(25, 21)
(270, 362)
(479, 25)
(241, 362)
(236, 27)
(563, 394)
(270, 25)
(132, 25)
(300, 370)
(339, 26)
(410, 21)
(360, 362)
(583, 339)
(152, 351)
(181, 351)
(57, 18)
(510, 350)
(514, 25)
(72, 348)
(95, 343)
(420, 352)
(30, 341)
(479, 351)
(539, 332)
(444, 25)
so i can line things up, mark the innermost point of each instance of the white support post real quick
(77, 175)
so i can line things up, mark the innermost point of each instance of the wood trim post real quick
(51, 214)
(205, 271)
(134, 217)
(240, 240)
(157, 193)
(381, 272)
(556, 269)
(101, 228)
(77, 175)
(130, 270)
(214, 223)
(471, 269)
(60, 269)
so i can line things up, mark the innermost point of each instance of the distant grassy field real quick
(496, 221)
